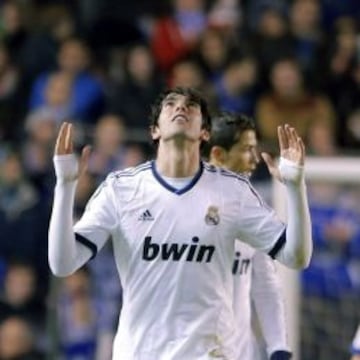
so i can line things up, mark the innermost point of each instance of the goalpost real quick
(338, 170)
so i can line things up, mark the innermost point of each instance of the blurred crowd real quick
(100, 64)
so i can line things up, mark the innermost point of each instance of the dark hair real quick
(192, 94)
(226, 128)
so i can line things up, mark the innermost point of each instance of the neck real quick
(178, 162)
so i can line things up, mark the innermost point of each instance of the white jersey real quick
(173, 250)
(355, 346)
(257, 288)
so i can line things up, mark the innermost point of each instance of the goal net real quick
(323, 301)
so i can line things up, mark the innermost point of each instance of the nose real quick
(255, 155)
(180, 105)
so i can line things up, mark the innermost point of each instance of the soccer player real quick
(173, 222)
(233, 145)
(355, 346)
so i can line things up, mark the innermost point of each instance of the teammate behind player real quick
(173, 223)
(233, 145)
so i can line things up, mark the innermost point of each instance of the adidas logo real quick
(146, 216)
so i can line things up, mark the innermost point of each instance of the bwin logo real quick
(240, 265)
(177, 252)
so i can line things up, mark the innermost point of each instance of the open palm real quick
(292, 148)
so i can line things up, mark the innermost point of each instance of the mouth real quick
(180, 117)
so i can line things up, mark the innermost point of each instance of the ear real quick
(154, 132)
(218, 155)
(205, 135)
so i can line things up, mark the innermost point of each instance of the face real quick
(73, 57)
(286, 78)
(243, 156)
(180, 119)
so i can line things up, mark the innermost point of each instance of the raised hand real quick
(64, 141)
(291, 145)
(64, 146)
(292, 148)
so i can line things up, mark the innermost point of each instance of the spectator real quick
(270, 40)
(20, 296)
(87, 92)
(23, 217)
(307, 34)
(9, 96)
(132, 97)
(77, 317)
(108, 146)
(235, 89)
(176, 35)
(341, 75)
(213, 53)
(289, 101)
(17, 341)
(58, 104)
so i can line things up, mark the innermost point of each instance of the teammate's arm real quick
(297, 249)
(266, 295)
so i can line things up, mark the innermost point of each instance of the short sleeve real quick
(259, 226)
(99, 219)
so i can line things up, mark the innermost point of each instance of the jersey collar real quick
(171, 188)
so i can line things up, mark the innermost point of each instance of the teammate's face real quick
(180, 119)
(243, 156)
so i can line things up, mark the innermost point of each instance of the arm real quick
(67, 251)
(266, 295)
(355, 346)
(296, 250)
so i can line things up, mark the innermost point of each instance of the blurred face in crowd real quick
(271, 24)
(19, 284)
(240, 75)
(304, 15)
(58, 89)
(187, 74)
(15, 338)
(73, 57)
(11, 17)
(286, 78)
(140, 63)
(11, 170)
(77, 283)
(109, 134)
(213, 48)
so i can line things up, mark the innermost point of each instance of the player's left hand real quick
(72, 168)
(292, 148)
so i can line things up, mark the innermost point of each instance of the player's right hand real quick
(67, 167)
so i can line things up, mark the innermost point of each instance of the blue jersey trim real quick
(86, 242)
(278, 245)
(171, 188)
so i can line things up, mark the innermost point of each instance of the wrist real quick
(290, 172)
(66, 168)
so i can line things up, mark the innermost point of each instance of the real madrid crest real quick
(212, 216)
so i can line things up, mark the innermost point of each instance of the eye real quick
(192, 104)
